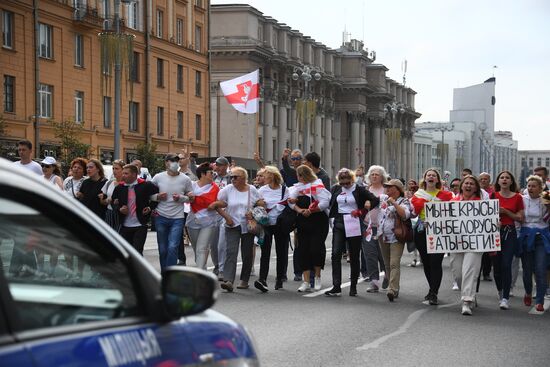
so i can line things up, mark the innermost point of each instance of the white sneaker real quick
(455, 286)
(304, 287)
(503, 304)
(511, 292)
(466, 309)
(317, 283)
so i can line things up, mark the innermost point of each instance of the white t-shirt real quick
(315, 190)
(373, 215)
(180, 184)
(108, 189)
(71, 186)
(238, 203)
(272, 199)
(31, 166)
(346, 200)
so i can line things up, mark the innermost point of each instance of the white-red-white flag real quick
(242, 92)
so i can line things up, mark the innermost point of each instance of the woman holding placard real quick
(535, 242)
(430, 190)
(347, 203)
(466, 265)
(511, 210)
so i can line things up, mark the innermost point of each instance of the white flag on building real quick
(242, 92)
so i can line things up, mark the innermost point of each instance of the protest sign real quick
(462, 226)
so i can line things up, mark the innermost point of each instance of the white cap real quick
(49, 160)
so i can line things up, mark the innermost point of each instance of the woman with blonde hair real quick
(275, 195)
(238, 199)
(111, 217)
(310, 199)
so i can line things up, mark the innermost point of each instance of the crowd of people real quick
(223, 212)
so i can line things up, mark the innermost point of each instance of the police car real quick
(74, 293)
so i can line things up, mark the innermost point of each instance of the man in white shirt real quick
(24, 148)
(175, 188)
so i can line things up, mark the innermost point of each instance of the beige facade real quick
(360, 115)
(170, 96)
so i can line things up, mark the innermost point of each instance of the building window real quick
(198, 127)
(198, 3)
(539, 162)
(198, 83)
(133, 15)
(107, 112)
(134, 74)
(180, 125)
(133, 116)
(160, 73)
(45, 93)
(79, 50)
(79, 106)
(45, 41)
(530, 162)
(9, 93)
(179, 81)
(160, 120)
(7, 29)
(179, 31)
(198, 38)
(160, 16)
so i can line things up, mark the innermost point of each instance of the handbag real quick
(287, 219)
(402, 229)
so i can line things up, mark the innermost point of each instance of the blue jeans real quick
(169, 234)
(502, 261)
(535, 261)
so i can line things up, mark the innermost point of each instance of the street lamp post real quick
(307, 73)
(393, 109)
(442, 128)
(482, 128)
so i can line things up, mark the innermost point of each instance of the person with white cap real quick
(51, 171)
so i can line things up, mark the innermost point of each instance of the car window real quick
(56, 274)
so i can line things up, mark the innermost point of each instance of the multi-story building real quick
(530, 159)
(52, 70)
(354, 114)
(505, 153)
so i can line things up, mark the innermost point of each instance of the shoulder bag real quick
(402, 229)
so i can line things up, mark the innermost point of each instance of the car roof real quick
(25, 180)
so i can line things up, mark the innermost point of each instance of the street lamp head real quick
(307, 77)
(317, 76)
(295, 76)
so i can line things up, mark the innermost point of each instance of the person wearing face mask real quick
(175, 189)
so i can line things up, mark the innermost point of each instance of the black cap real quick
(171, 157)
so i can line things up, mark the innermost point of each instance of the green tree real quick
(69, 134)
(147, 154)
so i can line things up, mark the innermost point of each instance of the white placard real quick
(462, 226)
(352, 226)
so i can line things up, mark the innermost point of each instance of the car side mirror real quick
(188, 291)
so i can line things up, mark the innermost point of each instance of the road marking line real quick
(322, 291)
(413, 317)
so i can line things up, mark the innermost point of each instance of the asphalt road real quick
(295, 329)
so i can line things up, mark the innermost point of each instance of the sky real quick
(447, 44)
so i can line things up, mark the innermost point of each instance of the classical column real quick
(268, 130)
(410, 154)
(383, 154)
(403, 158)
(282, 135)
(327, 159)
(317, 138)
(362, 141)
(336, 142)
(355, 138)
(376, 141)
(294, 126)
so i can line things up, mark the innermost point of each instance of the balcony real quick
(87, 16)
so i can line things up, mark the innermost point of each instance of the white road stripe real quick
(322, 291)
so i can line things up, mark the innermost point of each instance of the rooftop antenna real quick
(363, 39)
(494, 67)
(404, 71)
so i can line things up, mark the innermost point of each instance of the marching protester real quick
(430, 190)
(111, 216)
(393, 204)
(309, 198)
(376, 176)
(132, 203)
(486, 186)
(511, 209)
(466, 265)
(360, 175)
(72, 184)
(455, 186)
(51, 171)
(169, 215)
(534, 242)
(202, 222)
(237, 199)
(347, 200)
(313, 161)
(90, 191)
(275, 194)
(222, 178)
(24, 149)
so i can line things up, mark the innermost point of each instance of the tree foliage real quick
(147, 154)
(69, 134)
